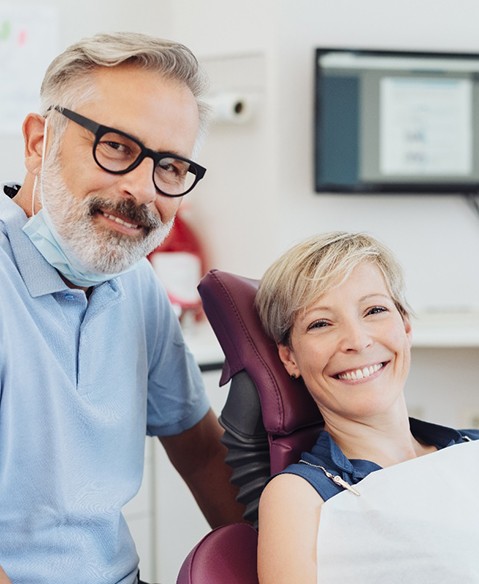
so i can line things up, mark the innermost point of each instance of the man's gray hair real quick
(68, 80)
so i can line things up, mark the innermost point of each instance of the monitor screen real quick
(396, 122)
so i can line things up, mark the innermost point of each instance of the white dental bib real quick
(413, 523)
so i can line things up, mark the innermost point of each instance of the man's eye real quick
(117, 146)
(169, 168)
(114, 149)
(170, 165)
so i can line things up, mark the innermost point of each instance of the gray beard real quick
(102, 251)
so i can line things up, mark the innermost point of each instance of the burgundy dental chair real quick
(269, 419)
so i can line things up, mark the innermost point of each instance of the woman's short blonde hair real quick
(311, 268)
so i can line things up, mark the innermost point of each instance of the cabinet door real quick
(140, 516)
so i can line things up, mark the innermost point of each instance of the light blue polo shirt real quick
(81, 383)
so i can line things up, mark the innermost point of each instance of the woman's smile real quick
(362, 373)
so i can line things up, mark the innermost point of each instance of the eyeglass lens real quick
(116, 153)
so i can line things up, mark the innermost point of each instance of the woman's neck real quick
(385, 439)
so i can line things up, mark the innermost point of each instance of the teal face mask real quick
(45, 238)
(42, 233)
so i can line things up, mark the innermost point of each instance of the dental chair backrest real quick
(269, 419)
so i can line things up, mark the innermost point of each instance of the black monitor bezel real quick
(423, 187)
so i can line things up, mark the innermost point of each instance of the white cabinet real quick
(140, 515)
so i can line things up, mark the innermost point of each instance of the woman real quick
(335, 307)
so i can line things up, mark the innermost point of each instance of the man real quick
(91, 354)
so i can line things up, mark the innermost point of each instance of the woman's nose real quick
(355, 337)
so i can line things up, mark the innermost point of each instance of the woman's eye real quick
(377, 310)
(318, 324)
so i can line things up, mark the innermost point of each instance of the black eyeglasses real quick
(118, 153)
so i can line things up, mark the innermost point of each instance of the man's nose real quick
(138, 183)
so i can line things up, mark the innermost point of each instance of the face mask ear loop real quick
(44, 148)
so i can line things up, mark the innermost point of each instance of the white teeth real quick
(120, 221)
(360, 373)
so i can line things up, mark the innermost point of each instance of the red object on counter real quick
(179, 262)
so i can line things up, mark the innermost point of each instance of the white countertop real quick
(203, 343)
(457, 329)
(440, 330)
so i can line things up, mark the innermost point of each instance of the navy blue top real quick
(327, 454)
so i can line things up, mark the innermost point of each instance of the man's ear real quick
(286, 355)
(33, 134)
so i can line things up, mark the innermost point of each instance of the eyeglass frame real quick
(99, 130)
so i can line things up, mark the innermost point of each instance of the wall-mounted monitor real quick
(396, 122)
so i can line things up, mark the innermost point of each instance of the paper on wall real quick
(28, 42)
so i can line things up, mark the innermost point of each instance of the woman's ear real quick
(408, 329)
(33, 134)
(286, 355)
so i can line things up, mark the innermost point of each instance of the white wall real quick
(434, 236)
(76, 20)
(258, 197)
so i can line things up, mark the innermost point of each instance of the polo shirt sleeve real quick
(176, 395)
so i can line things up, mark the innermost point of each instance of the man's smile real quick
(125, 217)
(120, 221)
(121, 225)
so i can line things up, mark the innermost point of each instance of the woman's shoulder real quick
(289, 512)
(320, 478)
(286, 483)
(290, 497)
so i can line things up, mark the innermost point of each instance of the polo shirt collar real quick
(440, 436)
(39, 276)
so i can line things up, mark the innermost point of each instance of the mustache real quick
(138, 214)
